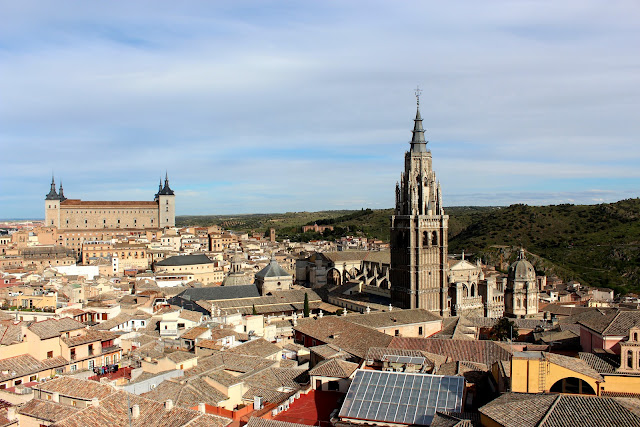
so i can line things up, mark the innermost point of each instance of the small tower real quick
(166, 205)
(52, 206)
(272, 235)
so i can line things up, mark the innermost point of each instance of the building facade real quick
(419, 238)
(76, 214)
(521, 294)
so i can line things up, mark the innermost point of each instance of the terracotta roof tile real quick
(47, 410)
(334, 368)
(76, 388)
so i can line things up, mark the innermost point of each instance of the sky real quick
(284, 106)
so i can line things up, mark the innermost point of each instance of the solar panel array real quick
(404, 359)
(400, 397)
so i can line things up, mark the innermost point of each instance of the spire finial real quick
(418, 91)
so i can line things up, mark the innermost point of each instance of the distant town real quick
(112, 315)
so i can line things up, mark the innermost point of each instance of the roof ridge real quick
(604, 331)
(549, 410)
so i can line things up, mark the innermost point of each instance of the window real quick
(49, 354)
(397, 333)
(420, 330)
(73, 354)
(17, 382)
(91, 364)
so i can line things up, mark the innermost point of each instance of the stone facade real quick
(419, 239)
(521, 295)
(75, 214)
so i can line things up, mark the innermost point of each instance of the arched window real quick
(473, 289)
(426, 239)
(434, 239)
(630, 359)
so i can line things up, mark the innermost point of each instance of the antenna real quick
(418, 91)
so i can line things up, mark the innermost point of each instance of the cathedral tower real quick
(419, 227)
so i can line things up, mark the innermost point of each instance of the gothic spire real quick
(418, 143)
(53, 195)
(61, 195)
(166, 191)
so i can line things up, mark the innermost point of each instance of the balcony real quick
(110, 349)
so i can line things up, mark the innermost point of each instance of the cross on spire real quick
(418, 91)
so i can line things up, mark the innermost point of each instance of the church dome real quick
(522, 270)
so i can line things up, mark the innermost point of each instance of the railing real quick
(110, 349)
(168, 332)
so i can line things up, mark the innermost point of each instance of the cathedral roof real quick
(522, 269)
(272, 269)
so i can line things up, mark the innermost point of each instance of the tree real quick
(503, 330)
(253, 309)
(306, 305)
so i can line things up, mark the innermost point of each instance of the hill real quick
(598, 245)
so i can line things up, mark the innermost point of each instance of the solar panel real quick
(404, 359)
(401, 397)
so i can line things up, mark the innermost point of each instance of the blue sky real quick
(271, 106)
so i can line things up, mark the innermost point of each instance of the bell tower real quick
(419, 226)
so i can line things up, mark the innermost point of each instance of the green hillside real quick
(598, 245)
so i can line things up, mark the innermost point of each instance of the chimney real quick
(320, 314)
(56, 397)
(168, 404)
(11, 413)
(94, 402)
(135, 411)
(202, 408)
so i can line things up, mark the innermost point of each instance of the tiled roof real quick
(114, 411)
(180, 356)
(601, 364)
(518, 410)
(228, 361)
(486, 352)
(76, 388)
(88, 337)
(259, 422)
(278, 301)
(328, 351)
(267, 394)
(571, 411)
(47, 410)
(387, 319)
(194, 316)
(54, 327)
(597, 319)
(219, 293)
(334, 368)
(25, 364)
(351, 337)
(441, 419)
(529, 410)
(258, 347)
(224, 378)
(194, 332)
(622, 323)
(275, 378)
(10, 333)
(188, 394)
(574, 364)
(209, 344)
(183, 260)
